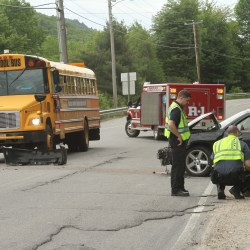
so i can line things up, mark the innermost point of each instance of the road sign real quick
(130, 76)
(131, 88)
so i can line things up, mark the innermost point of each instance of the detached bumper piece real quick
(18, 156)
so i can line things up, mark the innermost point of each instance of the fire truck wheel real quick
(129, 131)
(158, 134)
(198, 162)
(84, 138)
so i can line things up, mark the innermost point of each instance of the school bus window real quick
(84, 86)
(61, 83)
(72, 81)
(75, 85)
(68, 84)
(90, 86)
(64, 84)
(78, 86)
(81, 85)
(93, 86)
(21, 82)
(87, 84)
(3, 84)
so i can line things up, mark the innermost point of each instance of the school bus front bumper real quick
(15, 138)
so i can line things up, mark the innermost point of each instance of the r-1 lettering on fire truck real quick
(194, 111)
(149, 113)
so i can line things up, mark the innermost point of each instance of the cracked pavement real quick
(94, 208)
(105, 199)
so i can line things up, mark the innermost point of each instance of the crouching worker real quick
(231, 157)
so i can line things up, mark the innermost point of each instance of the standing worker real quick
(230, 157)
(177, 132)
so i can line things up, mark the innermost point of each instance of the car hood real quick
(198, 119)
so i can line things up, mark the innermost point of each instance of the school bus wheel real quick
(84, 138)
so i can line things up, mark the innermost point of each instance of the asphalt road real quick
(107, 198)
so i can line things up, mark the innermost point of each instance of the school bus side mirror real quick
(56, 77)
(58, 88)
(40, 98)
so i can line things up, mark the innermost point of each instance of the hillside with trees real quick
(165, 53)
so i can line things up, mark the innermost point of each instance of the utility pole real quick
(62, 38)
(112, 44)
(196, 50)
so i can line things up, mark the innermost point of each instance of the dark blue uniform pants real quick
(178, 167)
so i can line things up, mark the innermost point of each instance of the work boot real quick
(180, 193)
(236, 193)
(221, 194)
(247, 193)
(184, 190)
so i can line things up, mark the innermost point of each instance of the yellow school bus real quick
(43, 103)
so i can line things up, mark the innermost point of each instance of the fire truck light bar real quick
(155, 88)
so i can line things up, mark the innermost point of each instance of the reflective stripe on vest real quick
(183, 128)
(228, 148)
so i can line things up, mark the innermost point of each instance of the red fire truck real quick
(149, 112)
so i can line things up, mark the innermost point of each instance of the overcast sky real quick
(94, 13)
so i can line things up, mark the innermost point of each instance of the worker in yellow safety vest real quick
(230, 157)
(177, 132)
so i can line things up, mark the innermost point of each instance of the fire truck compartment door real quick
(150, 108)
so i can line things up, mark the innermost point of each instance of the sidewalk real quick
(229, 227)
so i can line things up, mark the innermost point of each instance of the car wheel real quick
(198, 162)
(129, 131)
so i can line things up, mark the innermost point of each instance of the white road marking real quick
(191, 224)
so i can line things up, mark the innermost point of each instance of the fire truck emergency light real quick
(173, 92)
(220, 94)
(220, 91)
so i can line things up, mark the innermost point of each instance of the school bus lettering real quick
(7, 63)
(15, 62)
(4, 63)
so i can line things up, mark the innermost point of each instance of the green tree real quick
(23, 35)
(216, 45)
(216, 39)
(175, 39)
(242, 12)
(142, 54)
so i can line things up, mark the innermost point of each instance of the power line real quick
(26, 7)
(159, 44)
(84, 17)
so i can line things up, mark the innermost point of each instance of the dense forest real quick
(166, 53)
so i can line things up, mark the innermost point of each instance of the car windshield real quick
(22, 82)
(229, 120)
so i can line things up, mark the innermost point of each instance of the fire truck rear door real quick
(150, 108)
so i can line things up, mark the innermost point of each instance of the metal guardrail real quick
(113, 111)
(238, 94)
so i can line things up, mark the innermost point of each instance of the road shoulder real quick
(229, 226)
